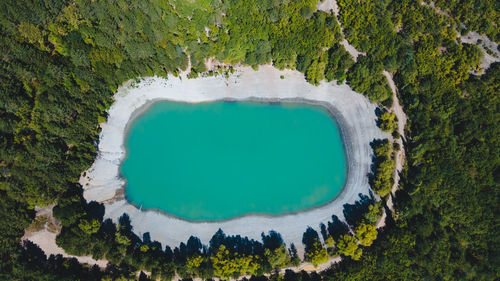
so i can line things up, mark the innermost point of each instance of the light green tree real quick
(348, 246)
(31, 33)
(316, 71)
(122, 239)
(373, 213)
(89, 227)
(231, 265)
(316, 253)
(329, 242)
(278, 258)
(366, 234)
(388, 122)
(193, 263)
(144, 248)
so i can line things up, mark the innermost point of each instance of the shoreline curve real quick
(354, 114)
(332, 112)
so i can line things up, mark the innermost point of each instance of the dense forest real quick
(63, 60)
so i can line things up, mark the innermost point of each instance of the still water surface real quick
(219, 160)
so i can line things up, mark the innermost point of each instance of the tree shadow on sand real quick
(354, 213)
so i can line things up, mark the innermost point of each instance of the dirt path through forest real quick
(44, 235)
(399, 156)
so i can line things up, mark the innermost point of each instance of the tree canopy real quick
(63, 60)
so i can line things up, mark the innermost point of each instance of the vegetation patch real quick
(62, 61)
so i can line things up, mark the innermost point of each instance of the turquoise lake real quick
(219, 160)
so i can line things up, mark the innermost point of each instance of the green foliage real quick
(368, 26)
(232, 265)
(32, 34)
(387, 121)
(307, 11)
(381, 179)
(193, 264)
(316, 71)
(444, 228)
(69, 211)
(13, 224)
(374, 213)
(366, 234)
(339, 60)
(277, 258)
(122, 239)
(89, 227)
(480, 16)
(61, 63)
(366, 77)
(329, 242)
(316, 253)
(348, 246)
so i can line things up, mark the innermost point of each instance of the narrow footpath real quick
(399, 156)
(43, 232)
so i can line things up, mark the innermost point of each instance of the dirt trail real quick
(331, 6)
(46, 239)
(397, 109)
(484, 44)
(399, 157)
(44, 235)
(491, 54)
(328, 6)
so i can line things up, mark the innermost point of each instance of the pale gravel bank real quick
(472, 38)
(328, 6)
(354, 113)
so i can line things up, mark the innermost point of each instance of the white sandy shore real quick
(354, 113)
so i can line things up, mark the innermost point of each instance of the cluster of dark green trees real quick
(387, 121)
(344, 239)
(61, 61)
(446, 221)
(85, 233)
(381, 177)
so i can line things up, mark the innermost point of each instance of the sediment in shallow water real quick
(220, 160)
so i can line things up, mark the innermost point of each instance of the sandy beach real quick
(354, 113)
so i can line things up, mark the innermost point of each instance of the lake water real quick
(219, 160)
